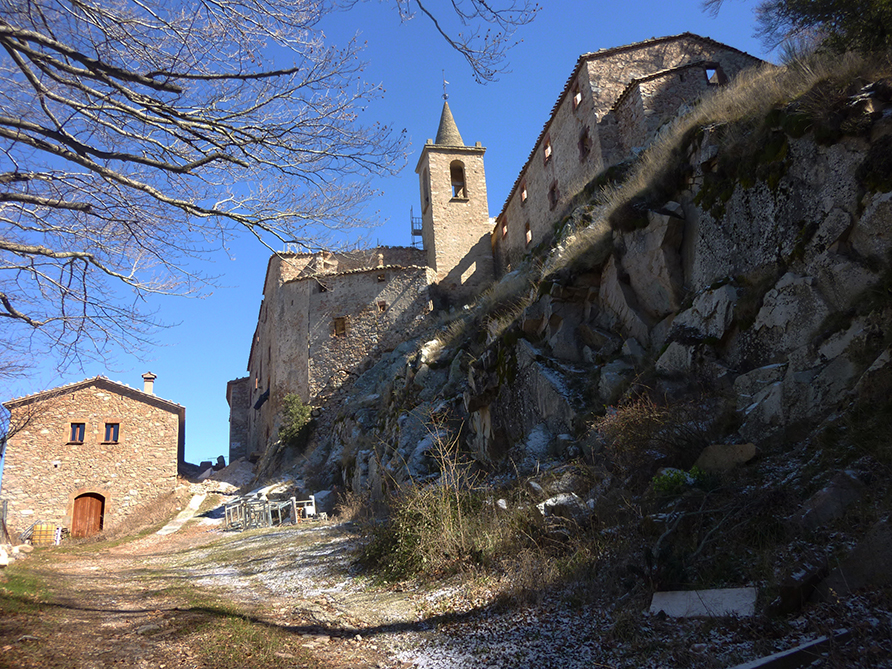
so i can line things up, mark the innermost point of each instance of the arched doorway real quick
(88, 514)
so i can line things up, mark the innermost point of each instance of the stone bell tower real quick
(456, 227)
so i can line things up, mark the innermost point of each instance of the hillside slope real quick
(720, 308)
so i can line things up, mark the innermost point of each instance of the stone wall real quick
(378, 308)
(44, 471)
(547, 184)
(238, 396)
(294, 349)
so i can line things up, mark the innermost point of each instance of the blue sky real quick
(209, 340)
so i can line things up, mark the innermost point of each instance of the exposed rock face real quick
(759, 291)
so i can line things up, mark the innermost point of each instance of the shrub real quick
(296, 419)
(674, 482)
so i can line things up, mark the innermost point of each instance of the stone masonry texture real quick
(45, 470)
(642, 77)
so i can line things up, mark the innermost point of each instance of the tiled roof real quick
(99, 379)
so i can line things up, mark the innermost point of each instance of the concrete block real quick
(705, 603)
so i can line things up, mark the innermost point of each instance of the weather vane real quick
(445, 94)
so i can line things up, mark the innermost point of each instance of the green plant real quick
(674, 482)
(296, 419)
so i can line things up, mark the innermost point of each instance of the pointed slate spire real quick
(448, 134)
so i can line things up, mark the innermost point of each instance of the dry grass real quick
(494, 311)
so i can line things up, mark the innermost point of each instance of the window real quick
(382, 306)
(577, 95)
(546, 150)
(553, 195)
(715, 76)
(77, 433)
(585, 144)
(504, 227)
(524, 194)
(111, 432)
(382, 278)
(425, 190)
(340, 326)
(528, 233)
(457, 175)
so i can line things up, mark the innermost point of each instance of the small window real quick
(340, 326)
(382, 306)
(77, 433)
(382, 278)
(504, 227)
(546, 151)
(425, 190)
(321, 287)
(577, 95)
(553, 195)
(457, 175)
(528, 233)
(585, 144)
(111, 432)
(715, 76)
(524, 194)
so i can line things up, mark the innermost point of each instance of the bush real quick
(296, 419)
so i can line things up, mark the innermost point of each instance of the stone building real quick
(321, 316)
(238, 397)
(324, 314)
(85, 455)
(615, 101)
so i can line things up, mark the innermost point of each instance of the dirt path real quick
(201, 598)
(286, 597)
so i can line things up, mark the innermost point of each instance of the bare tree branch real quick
(137, 136)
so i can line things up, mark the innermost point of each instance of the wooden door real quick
(89, 510)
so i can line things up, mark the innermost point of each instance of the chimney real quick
(149, 383)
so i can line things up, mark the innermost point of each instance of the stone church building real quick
(324, 315)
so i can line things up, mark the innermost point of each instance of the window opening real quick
(585, 144)
(111, 432)
(523, 193)
(78, 430)
(425, 189)
(504, 227)
(457, 175)
(528, 233)
(577, 95)
(382, 306)
(340, 326)
(547, 150)
(553, 195)
(715, 76)
(382, 278)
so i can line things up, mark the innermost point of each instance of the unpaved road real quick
(159, 602)
(286, 597)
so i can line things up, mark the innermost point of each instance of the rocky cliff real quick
(760, 284)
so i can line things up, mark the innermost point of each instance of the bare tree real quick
(484, 51)
(137, 136)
